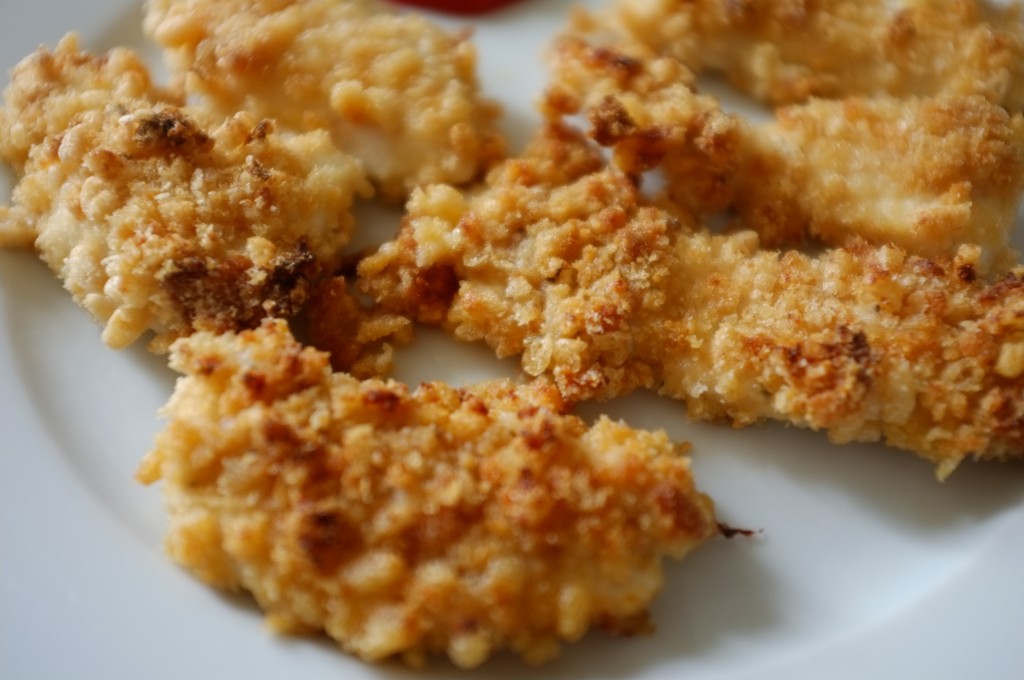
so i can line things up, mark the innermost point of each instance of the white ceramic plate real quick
(866, 567)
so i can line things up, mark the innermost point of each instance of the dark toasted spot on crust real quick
(201, 290)
(256, 383)
(622, 65)
(468, 626)
(1003, 288)
(851, 346)
(966, 273)
(610, 122)
(625, 626)
(224, 295)
(289, 280)
(328, 539)
(277, 432)
(527, 412)
(386, 400)
(435, 288)
(539, 434)
(855, 345)
(259, 170)
(168, 129)
(207, 365)
(927, 266)
(477, 406)
(260, 131)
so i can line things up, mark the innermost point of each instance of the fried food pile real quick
(863, 284)
(409, 521)
(399, 521)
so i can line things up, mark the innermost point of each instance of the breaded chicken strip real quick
(560, 260)
(411, 522)
(785, 51)
(155, 221)
(928, 175)
(393, 89)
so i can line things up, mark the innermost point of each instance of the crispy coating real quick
(394, 90)
(928, 175)
(785, 51)
(155, 220)
(411, 522)
(563, 263)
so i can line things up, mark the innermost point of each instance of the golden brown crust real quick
(865, 342)
(410, 522)
(394, 90)
(156, 220)
(793, 50)
(359, 339)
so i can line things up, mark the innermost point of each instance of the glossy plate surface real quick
(864, 567)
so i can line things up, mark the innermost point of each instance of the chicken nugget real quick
(155, 219)
(407, 522)
(393, 89)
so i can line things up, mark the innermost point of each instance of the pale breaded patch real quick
(394, 90)
(560, 260)
(409, 522)
(791, 50)
(156, 220)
